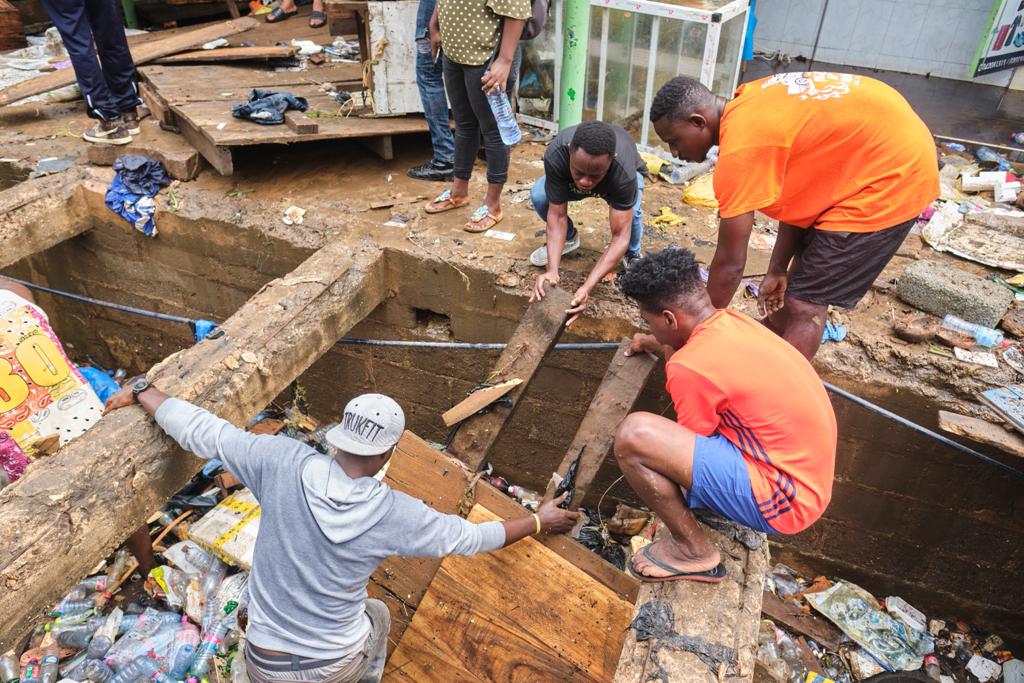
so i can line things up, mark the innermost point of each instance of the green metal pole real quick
(573, 82)
(131, 20)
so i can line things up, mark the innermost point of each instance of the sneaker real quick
(432, 170)
(130, 122)
(629, 258)
(539, 257)
(107, 133)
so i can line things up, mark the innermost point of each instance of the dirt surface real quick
(338, 182)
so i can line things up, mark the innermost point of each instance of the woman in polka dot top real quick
(479, 39)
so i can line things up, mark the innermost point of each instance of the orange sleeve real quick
(697, 399)
(749, 179)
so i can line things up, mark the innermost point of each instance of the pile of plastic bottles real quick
(141, 643)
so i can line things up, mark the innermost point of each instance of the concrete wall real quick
(937, 37)
(908, 516)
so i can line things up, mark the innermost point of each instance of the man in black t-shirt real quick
(593, 159)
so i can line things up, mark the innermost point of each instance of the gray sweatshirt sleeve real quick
(244, 454)
(421, 531)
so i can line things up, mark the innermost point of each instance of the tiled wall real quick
(936, 37)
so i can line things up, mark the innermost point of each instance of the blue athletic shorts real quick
(721, 483)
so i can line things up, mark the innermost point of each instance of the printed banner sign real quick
(1002, 45)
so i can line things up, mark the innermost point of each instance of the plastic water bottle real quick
(72, 619)
(143, 666)
(214, 577)
(31, 672)
(208, 648)
(77, 636)
(507, 125)
(73, 606)
(74, 668)
(94, 583)
(9, 670)
(104, 636)
(98, 671)
(985, 336)
(1018, 138)
(50, 665)
(183, 651)
(117, 568)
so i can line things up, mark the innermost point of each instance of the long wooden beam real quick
(70, 511)
(141, 54)
(625, 379)
(538, 331)
(34, 216)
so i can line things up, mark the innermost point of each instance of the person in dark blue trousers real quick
(430, 82)
(93, 34)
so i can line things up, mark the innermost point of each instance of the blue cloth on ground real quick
(833, 332)
(267, 107)
(141, 174)
(101, 383)
(201, 328)
(136, 172)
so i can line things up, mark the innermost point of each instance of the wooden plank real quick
(539, 330)
(1008, 404)
(381, 145)
(142, 54)
(519, 613)
(727, 613)
(478, 400)
(231, 54)
(12, 32)
(299, 123)
(218, 157)
(182, 83)
(592, 564)
(215, 120)
(87, 498)
(625, 379)
(791, 616)
(982, 431)
(158, 107)
(34, 216)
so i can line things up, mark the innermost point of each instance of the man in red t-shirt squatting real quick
(754, 438)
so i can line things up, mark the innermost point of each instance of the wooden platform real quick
(197, 100)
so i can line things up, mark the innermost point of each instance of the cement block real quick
(940, 289)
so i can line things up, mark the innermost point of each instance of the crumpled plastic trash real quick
(293, 215)
(701, 192)
(667, 216)
(855, 611)
(833, 332)
(267, 107)
(214, 44)
(307, 47)
(655, 620)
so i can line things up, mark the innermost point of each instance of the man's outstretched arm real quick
(730, 258)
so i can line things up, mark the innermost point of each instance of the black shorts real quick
(838, 268)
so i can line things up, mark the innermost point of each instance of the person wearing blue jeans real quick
(430, 82)
(593, 159)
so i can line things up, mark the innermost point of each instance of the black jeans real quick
(473, 118)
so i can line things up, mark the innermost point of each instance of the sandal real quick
(319, 17)
(444, 202)
(277, 14)
(478, 221)
(714, 575)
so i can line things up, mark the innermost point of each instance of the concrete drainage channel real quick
(908, 517)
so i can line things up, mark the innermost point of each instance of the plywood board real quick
(519, 613)
(393, 27)
(178, 84)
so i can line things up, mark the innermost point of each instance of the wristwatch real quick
(138, 388)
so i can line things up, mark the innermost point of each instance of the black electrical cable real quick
(584, 346)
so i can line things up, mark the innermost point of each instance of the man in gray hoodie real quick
(325, 526)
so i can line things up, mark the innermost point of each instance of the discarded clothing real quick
(136, 209)
(267, 107)
(141, 175)
(103, 385)
(833, 332)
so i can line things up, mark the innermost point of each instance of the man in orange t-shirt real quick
(840, 160)
(754, 438)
